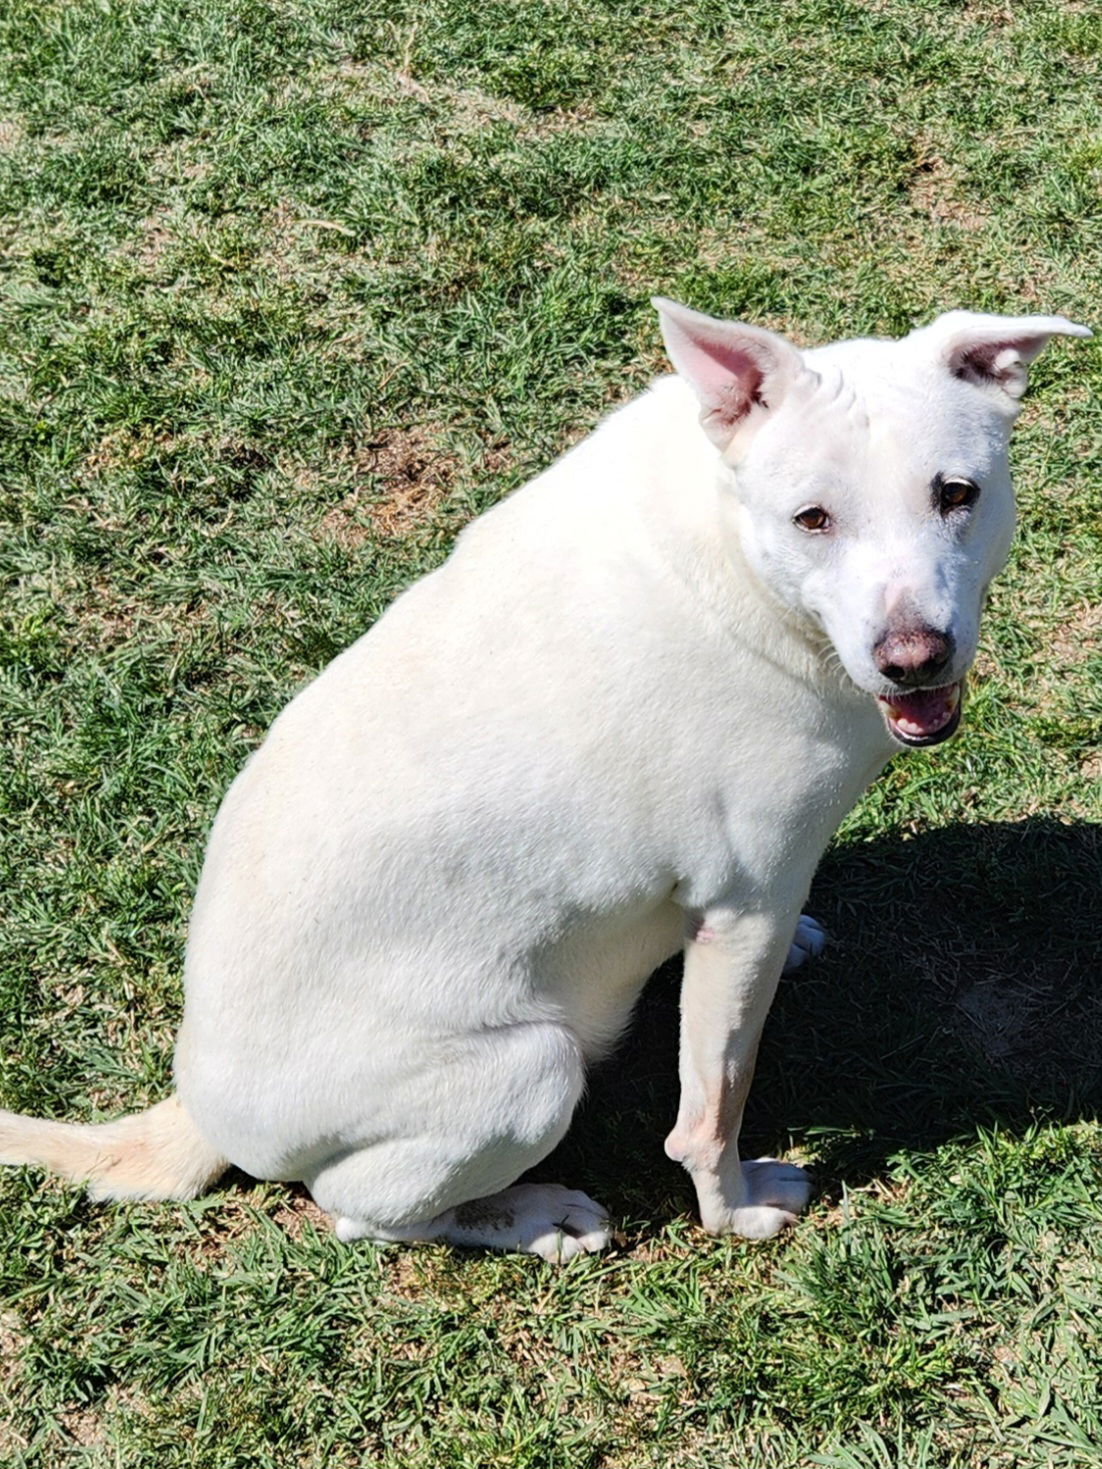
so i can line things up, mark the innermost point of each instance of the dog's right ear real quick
(738, 372)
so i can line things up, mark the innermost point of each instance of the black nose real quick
(913, 656)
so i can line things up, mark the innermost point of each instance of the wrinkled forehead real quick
(870, 411)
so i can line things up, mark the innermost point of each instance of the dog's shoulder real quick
(647, 462)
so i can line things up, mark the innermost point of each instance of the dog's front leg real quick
(732, 964)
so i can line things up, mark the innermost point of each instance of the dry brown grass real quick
(407, 476)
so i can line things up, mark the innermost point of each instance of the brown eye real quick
(814, 518)
(955, 494)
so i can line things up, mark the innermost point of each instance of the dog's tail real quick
(158, 1154)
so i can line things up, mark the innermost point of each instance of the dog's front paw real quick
(773, 1195)
(808, 942)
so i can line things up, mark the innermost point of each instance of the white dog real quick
(625, 717)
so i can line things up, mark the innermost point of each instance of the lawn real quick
(290, 291)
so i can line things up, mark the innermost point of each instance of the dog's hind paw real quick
(536, 1218)
(808, 942)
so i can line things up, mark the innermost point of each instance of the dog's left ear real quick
(994, 351)
(739, 373)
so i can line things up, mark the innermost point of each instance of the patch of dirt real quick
(936, 191)
(1077, 637)
(154, 238)
(82, 1425)
(472, 109)
(289, 242)
(996, 14)
(413, 474)
(419, 1273)
(120, 446)
(298, 1209)
(12, 1338)
(11, 135)
(237, 1201)
(11, 1442)
(108, 618)
(984, 666)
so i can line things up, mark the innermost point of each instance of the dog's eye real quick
(955, 494)
(814, 518)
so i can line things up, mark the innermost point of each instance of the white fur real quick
(625, 717)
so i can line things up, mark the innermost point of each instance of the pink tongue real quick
(923, 712)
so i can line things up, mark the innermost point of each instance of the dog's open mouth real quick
(925, 717)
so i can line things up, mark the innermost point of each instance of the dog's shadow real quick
(962, 987)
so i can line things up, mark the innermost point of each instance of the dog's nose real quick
(913, 656)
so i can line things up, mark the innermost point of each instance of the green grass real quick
(289, 292)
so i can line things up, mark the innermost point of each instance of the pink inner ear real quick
(727, 375)
(731, 367)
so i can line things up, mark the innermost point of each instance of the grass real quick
(292, 290)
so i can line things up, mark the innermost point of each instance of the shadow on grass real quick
(962, 988)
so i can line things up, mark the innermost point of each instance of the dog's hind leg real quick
(531, 1218)
(480, 1114)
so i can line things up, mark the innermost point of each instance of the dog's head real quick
(869, 486)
